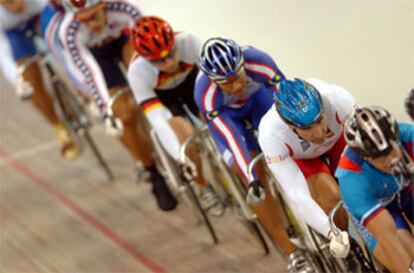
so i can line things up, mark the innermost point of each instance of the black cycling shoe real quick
(163, 195)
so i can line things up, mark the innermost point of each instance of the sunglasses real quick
(233, 78)
(165, 58)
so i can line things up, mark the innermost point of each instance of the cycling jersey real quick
(9, 20)
(50, 22)
(79, 43)
(226, 114)
(21, 27)
(282, 146)
(150, 85)
(366, 191)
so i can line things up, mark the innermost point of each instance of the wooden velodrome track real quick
(58, 216)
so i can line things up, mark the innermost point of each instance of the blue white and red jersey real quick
(78, 40)
(50, 22)
(365, 190)
(222, 110)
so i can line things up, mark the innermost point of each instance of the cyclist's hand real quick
(339, 244)
(188, 170)
(256, 193)
(23, 88)
(113, 126)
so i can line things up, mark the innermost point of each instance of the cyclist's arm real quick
(407, 137)
(8, 66)
(262, 65)
(189, 47)
(383, 227)
(293, 183)
(142, 78)
(80, 60)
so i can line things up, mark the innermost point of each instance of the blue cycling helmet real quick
(298, 103)
(220, 58)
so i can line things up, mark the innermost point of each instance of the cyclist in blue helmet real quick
(302, 139)
(235, 86)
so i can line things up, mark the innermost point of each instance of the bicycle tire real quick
(76, 118)
(202, 212)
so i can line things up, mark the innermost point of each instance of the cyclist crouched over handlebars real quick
(95, 42)
(162, 76)
(19, 21)
(376, 177)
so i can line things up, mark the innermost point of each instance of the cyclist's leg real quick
(134, 138)
(127, 52)
(323, 187)
(23, 48)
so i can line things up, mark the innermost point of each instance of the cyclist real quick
(376, 176)
(18, 22)
(409, 104)
(162, 76)
(298, 135)
(94, 36)
(235, 85)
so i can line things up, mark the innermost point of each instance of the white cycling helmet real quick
(371, 131)
(74, 6)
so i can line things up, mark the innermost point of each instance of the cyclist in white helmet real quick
(95, 36)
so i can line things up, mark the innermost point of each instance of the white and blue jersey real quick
(19, 28)
(366, 191)
(50, 22)
(227, 115)
(83, 46)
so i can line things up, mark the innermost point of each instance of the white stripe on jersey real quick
(261, 68)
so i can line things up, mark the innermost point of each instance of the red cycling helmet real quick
(152, 37)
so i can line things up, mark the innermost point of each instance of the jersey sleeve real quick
(359, 196)
(189, 47)
(293, 183)
(81, 61)
(142, 78)
(407, 137)
(262, 66)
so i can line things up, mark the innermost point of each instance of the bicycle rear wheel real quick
(76, 118)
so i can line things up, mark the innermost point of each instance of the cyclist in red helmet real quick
(162, 76)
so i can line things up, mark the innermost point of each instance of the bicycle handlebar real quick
(22, 68)
(331, 216)
(188, 140)
(112, 99)
(253, 164)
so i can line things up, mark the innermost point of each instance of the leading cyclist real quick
(376, 176)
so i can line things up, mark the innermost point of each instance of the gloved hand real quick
(188, 170)
(113, 126)
(411, 267)
(23, 88)
(256, 193)
(339, 244)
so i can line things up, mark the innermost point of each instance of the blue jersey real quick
(366, 191)
(226, 114)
